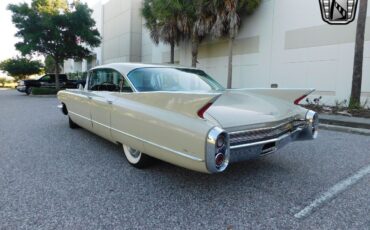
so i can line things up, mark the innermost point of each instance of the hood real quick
(237, 108)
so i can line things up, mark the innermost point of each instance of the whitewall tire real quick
(136, 158)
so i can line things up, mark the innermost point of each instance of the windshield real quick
(172, 79)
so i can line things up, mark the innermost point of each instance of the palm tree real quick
(355, 100)
(228, 19)
(162, 18)
(202, 21)
(151, 20)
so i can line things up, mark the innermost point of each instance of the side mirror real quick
(80, 87)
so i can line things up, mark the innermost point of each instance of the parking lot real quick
(56, 177)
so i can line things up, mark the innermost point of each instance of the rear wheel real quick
(137, 158)
(28, 90)
(72, 125)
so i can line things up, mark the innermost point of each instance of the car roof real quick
(125, 68)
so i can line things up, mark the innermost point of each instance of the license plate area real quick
(269, 148)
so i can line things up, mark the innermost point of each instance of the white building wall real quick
(284, 42)
(97, 15)
(152, 53)
(122, 31)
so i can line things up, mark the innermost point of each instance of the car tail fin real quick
(291, 95)
(299, 99)
(204, 109)
(186, 103)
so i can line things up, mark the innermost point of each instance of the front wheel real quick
(137, 158)
(28, 90)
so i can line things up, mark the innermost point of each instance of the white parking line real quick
(333, 191)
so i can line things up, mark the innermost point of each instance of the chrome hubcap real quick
(133, 152)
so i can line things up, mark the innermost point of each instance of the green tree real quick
(50, 64)
(54, 28)
(171, 21)
(21, 67)
(355, 100)
(151, 20)
(229, 15)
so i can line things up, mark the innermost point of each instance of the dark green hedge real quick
(44, 91)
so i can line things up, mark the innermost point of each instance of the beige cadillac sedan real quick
(184, 117)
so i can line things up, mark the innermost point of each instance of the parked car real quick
(47, 81)
(184, 117)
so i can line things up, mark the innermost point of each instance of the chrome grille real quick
(248, 136)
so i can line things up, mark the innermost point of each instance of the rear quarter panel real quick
(167, 135)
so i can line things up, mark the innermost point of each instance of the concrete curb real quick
(349, 124)
(365, 132)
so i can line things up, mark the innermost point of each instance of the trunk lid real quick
(238, 108)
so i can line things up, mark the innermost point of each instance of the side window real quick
(45, 78)
(105, 80)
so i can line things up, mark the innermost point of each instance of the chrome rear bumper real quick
(249, 150)
(262, 148)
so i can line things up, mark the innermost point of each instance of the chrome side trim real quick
(78, 115)
(143, 140)
(160, 146)
(266, 141)
(105, 126)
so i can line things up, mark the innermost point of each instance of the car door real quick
(45, 81)
(79, 107)
(103, 82)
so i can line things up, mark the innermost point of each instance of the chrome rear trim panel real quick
(250, 137)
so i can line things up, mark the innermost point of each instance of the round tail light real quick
(219, 159)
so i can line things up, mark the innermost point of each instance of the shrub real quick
(44, 91)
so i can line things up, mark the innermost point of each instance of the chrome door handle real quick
(109, 102)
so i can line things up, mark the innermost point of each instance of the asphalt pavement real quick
(53, 177)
